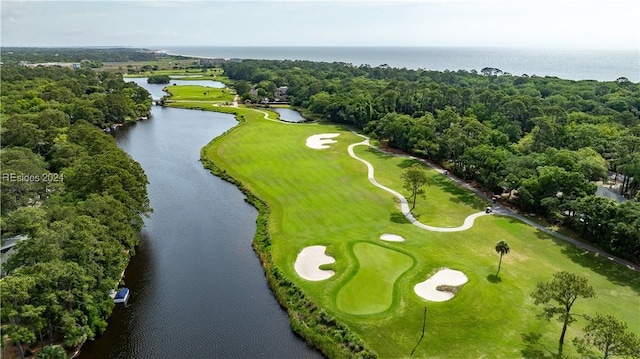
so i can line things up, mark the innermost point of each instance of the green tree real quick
(16, 292)
(414, 178)
(159, 79)
(20, 162)
(502, 248)
(611, 336)
(25, 220)
(52, 352)
(242, 86)
(564, 289)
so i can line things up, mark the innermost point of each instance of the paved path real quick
(500, 210)
(468, 222)
(266, 117)
(404, 205)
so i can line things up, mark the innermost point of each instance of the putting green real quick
(371, 289)
(324, 197)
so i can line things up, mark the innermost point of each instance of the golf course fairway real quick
(323, 197)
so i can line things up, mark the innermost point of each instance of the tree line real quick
(78, 198)
(544, 142)
(37, 101)
(96, 55)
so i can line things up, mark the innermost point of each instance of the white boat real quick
(121, 296)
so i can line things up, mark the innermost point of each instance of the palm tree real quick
(503, 248)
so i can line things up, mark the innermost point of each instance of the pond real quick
(156, 89)
(288, 115)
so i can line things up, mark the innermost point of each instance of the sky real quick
(564, 24)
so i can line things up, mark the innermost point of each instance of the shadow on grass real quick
(533, 349)
(460, 195)
(406, 163)
(378, 153)
(398, 217)
(494, 278)
(615, 273)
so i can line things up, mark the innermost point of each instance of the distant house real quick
(280, 94)
(210, 61)
(73, 65)
(7, 249)
(611, 193)
(253, 92)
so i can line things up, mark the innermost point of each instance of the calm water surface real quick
(601, 65)
(156, 89)
(197, 288)
(288, 115)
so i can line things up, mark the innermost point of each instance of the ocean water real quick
(568, 64)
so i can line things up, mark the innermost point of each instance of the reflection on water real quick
(197, 288)
(156, 89)
(289, 115)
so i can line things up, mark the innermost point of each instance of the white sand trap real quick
(320, 141)
(392, 237)
(309, 261)
(450, 277)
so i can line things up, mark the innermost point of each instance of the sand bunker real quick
(320, 141)
(309, 261)
(392, 237)
(445, 277)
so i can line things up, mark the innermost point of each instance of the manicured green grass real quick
(323, 197)
(371, 289)
(165, 67)
(163, 64)
(444, 204)
(199, 93)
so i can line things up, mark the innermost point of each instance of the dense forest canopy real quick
(544, 141)
(78, 198)
(11, 55)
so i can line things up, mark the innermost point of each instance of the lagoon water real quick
(598, 65)
(197, 288)
(156, 89)
(288, 115)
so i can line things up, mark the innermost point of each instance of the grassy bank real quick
(319, 329)
(200, 94)
(322, 197)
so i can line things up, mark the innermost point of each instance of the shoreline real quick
(334, 339)
(440, 58)
(262, 240)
